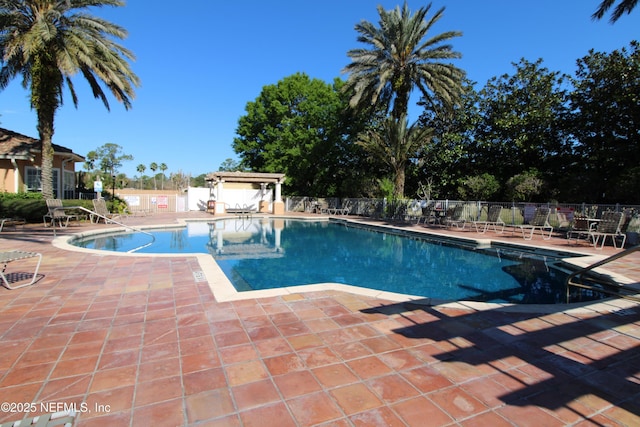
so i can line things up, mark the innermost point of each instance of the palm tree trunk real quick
(45, 131)
(399, 182)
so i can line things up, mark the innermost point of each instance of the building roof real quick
(245, 177)
(16, 146)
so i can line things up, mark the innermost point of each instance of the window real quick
(33, 181)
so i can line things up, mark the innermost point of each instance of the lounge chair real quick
(493, 220)
(102, 212)
(57, 213)
(11, 222)
(579, 228)
(539, 221)
(456, 218)
(343, 210)
(7, 257)
(608, 226)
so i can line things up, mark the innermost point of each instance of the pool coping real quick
(224, 291)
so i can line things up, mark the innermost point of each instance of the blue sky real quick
(201, 64)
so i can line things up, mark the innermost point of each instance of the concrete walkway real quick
(141, 340)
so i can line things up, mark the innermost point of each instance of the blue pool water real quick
(273, 253)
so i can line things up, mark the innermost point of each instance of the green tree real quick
(606, 105)
(230, 165)
(450, 156)
(524, 186)
(401, 60)
(299, 127)
(154, 167)
(48, 42)
(396, 144)
(479, 187)
(624, 6)
(141, 168)
(524, 124)
(108, 159)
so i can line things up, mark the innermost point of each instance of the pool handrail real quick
(90, 212)
(621, 290)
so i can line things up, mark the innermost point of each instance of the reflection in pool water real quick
(273, 253)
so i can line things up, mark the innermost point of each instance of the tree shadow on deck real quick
(552, 360)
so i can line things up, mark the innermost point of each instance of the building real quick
(20, 160)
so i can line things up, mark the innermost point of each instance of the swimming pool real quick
(266, 253)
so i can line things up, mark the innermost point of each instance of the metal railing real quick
(587, 278)
(109, 220)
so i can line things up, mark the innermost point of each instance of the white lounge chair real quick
(540, 221)
(11, 222)
(100, 208)
(493, 220)
(608, 226)
(7, 257)
(57, 213)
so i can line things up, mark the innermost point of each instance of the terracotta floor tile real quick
(276, 414)
(377, 417)
(238, 353)
(528, 416)
(415, 411)
(254, 394)
(284, 364)
(321, 356)
(380, 344)
(315, 408)
(335, 375)
(26, 375)
(301, 342)
(350, 350)
(72, 367)
(228, 339)
(159, 369)
(208, 404)
(263, 333)
(159, 351)
(245, 372)
(368, 367)
(457, 403)
(355, 398)
(114, 378)
(207, 379)
(296, 384)
(426, 379)
(163, 414)
(112, 401)
(119, 359)
(82, 350)
(149, 392)
(392, 388)
(486, 419)
(196, 345)
(199, 361)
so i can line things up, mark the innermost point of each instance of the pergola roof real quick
(246, 177)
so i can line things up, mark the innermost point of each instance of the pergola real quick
(217, 180)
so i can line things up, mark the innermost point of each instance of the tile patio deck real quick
(142, 341)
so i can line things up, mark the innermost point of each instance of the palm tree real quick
(141, 168)
(395, 144)
(163, 167)
(154, 167)
(400, 60)
(49, 41)
(625, 6)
